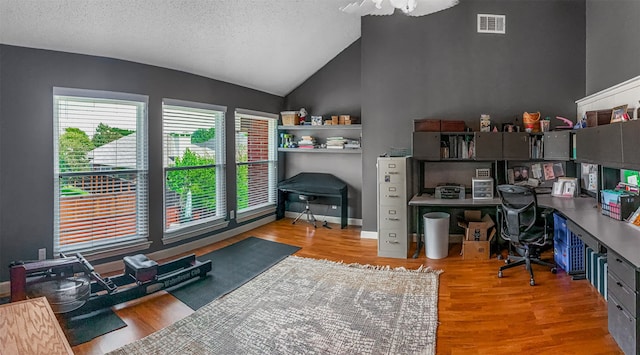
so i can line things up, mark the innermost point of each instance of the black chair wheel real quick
(532, 283)
(554, 270)
(500, 257)
(500, 274)
(507, 261)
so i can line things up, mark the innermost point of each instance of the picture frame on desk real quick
(618, 114)
(565, 187)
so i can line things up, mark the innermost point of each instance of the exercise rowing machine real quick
(73, 287)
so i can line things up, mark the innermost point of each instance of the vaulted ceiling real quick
(267, 45)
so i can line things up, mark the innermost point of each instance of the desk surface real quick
(429, 200)
(618, 236)
(30, 327)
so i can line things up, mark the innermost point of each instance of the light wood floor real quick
(478, 312)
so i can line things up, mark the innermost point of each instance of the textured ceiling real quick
(268, 45)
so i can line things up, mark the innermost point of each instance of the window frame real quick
(209, 224)
(104, 249)
(269, 207)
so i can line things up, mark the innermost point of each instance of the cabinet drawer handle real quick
(393, 172)
(394, 196)
(392, 242)
(618, 283)
(618, 260)
(393, 219)
(618, 307)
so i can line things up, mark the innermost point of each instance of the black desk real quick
(315, 184)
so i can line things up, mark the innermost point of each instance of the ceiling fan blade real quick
(368, 7)
(425, 7)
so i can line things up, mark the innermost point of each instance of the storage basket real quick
(618, 205)
(290, 118)
(561, 232)
(569, 259)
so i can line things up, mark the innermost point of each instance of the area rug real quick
(232, 266)
(308, 306)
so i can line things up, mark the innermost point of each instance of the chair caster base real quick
(532, 282)
(499, 274)
(554, 270)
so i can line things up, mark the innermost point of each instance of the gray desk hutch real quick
(612, 147)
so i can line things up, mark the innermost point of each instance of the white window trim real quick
(139, 242)
(265, 209)
(210, 224)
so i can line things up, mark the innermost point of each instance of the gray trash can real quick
(436, 234)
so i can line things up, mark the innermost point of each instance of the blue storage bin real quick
(562, 233)
(569, 258)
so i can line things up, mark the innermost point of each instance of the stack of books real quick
(307, 142)
(335, 143)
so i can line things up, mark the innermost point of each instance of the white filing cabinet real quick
(393, 198)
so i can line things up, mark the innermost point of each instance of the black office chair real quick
(307, 210)
(525, 227)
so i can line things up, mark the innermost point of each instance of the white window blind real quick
(256, 159)
(194, 165)
(100, 160)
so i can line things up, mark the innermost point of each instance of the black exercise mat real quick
(233, 266)
(82, 328)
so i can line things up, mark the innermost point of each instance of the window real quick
(194, 167)
(256, 160)
(100, 162)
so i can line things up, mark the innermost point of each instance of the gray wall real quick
(612, 37)
(438, 66)
(26, 134)
(333, 90)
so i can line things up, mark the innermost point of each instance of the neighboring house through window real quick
(194, 167)
(256, 162)
(100, 163)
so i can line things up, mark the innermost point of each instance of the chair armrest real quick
(547, 213)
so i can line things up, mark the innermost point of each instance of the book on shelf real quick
(306, 146)
(335, 146)
(634, 219)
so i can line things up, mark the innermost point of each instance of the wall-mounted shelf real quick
(320, 150)
(321, 134)
(355, 127)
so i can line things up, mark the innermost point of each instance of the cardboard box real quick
(452, 126)
(477, 250)
(476, 228)
(479, 233)
(426, 125)
(598, 118)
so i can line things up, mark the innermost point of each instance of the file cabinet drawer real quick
(392, 193)
(627, 297)
(393, 171)
(622, 326)
(392, 243)
(392, 217)
(624, 271)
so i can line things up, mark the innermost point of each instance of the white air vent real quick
(491, 23)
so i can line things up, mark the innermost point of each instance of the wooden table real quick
(30, 327)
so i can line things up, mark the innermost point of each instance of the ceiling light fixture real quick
(388, 7)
